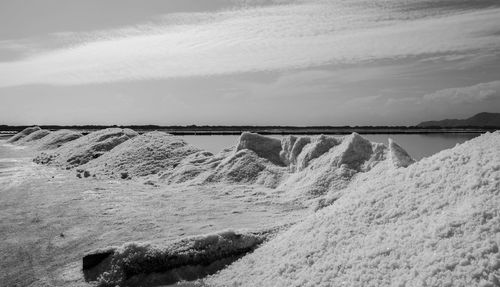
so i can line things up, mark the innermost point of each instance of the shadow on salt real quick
(188, 259)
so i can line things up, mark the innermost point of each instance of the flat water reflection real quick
(417, 145)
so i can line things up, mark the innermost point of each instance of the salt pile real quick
(398, 155)
(22, 134)
(264, 147)
(246, 167)
(142, 264)
(33, 137)
(86, 148)
(57, 139)
(196, 167)
(321, 164)
(231, 166)
(301, 166)
(143, 155)
(433, 223)
(255, 160)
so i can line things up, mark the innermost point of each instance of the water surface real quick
(417, 145)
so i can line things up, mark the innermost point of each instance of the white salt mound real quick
(86, 148)
(235, 165)
(291, 146)
(247, 167)
(143, 155)
(328, 163)
(298, 152)
(143, 264)
(399, 156)
(57, 139)
(434, 223)
(265, 147)
(33, 137)
(196, 168)
(22, 134)
(301, 166)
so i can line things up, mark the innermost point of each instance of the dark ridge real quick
(484, 120)
(191, 258)
(92, 260)
(267, 130)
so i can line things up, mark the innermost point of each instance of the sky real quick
(247, 62)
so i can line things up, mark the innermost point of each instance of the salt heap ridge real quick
(142, 155)
(327, 163)
(33, 137)
(86, 148)
(195, 168)
(302, 166)
(434, 223)
(56, 139)
(23, 134)
(144, 264)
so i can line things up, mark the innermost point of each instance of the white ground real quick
(435, 223)
(49, 218)
(382, 221)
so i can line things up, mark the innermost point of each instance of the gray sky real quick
(283, 62)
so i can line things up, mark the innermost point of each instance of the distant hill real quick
(479, 120)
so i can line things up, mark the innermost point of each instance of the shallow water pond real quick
(417, 145)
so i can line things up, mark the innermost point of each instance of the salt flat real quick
(50, 218)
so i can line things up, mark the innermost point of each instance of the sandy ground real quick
(49, 218)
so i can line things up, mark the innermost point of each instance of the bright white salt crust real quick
(23, 134)
(143, 155)
(434, 223)
(86, 148)
(301, 166)
(43, 139)
(56, 139)
(33, 137)
(143, 264)
(255, 160)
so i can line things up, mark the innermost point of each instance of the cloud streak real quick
(466, 95)
(277, 37)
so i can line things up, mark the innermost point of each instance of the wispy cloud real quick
(466, 95)
(297, 34)
(459, 102)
